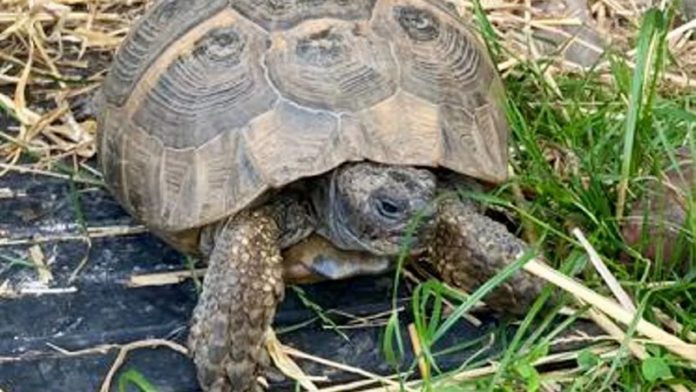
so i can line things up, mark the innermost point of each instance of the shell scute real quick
(215, 85)
(442, 61)
(332, 67)
(162, 25)
(292, 142)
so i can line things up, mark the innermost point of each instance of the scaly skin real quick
(469, 248)
(241, 291)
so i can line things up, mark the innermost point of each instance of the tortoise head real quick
(372, 207)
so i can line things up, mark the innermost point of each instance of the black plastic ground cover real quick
(97, 308)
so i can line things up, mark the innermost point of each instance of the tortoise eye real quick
(389, 209)
(419, 24)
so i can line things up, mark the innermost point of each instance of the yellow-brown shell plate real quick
(211, 103)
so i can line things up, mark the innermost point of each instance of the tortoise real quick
(237, 130)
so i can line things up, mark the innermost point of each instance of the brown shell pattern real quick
(211, 103)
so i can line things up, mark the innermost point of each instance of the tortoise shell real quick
(210, 104)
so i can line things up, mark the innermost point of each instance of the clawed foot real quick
(469, 248)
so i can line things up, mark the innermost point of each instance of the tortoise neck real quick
(322, 196)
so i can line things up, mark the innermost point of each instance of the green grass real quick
(134, 378)
(609, 138)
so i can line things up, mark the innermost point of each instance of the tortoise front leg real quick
(469, 248)
(241, 290)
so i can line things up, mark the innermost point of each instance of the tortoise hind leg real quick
(469, 248)
(241, 290)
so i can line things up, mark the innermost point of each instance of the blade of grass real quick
(134, 377)
(646, 72)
